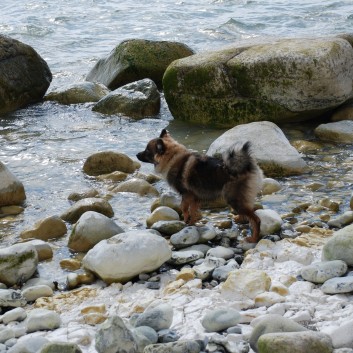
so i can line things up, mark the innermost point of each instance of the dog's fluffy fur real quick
(235, 177)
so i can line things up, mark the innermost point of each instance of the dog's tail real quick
(238, 159)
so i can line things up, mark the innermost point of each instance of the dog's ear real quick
(160, 147)
(163, 133)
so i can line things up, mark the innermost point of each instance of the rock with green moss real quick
(295, 342)
(79, 93)
(269, 146)
(340, 246)
(17, 263)
(136, 59)
(137, 100)
(280, 81)
(24, 75)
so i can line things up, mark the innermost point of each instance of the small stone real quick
(169, 227)
(159, 317)
(186, 237)
(49, 228)
(35, 292)
(322, 271)
(270, 186)
(162, 213)
(42, 319)
(207, 233)
(271, 221)
(186, 274)
(17, 314)
(43, 248)
(268, 299)
(204, 270)
(167, 335)
(221, 273)
(221, 251)
(29, 344)
(181, 346)
(295, 342)
(338, 285)
(99, 205)
(182, 257)
(70, 264)
(77, 196)
(137, 186)
(220, 319)
(342, 220)
(60, 347)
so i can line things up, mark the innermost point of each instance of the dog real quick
(235, 177)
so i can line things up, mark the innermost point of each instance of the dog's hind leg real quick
(255, 223)
(185, 206)
(195, 214)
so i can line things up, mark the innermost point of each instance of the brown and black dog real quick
(235, 177)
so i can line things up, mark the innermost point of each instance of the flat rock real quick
(341, 131)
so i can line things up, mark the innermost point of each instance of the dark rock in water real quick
(24, 75)
(136, 59)
(137, 100)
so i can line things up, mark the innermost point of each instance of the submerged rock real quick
(108, 162)
(341, 131)
(24, 75)
(79, 93)
(281, 81)
(12, 191)
(272, 150)
(136, 100)
(136, 59)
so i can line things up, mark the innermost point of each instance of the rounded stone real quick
(271, 221)
(169, 227)
(322, 271)
(162, 213)
(108, 162)
(340, 131)
(137, 186)
(42, 319)
(220, 319)
(159, 317)
(338, 285)
(126, 255)
(49, 228)
(99, 205)
(221, 251)
(186, 237)
(35, 292)
(90, 229)
(270, 186)
(12, 191)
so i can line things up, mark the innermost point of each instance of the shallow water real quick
(45, 145)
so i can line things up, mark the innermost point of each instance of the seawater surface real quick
(46, 144)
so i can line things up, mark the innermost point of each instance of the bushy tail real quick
(238, 159)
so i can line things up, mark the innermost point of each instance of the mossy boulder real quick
(17, 263)
(136, 59)
(281, 81)
(24, 75)
(84, 92)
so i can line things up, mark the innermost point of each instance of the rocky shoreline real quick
(174, 288)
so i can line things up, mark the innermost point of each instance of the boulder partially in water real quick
(24, 75)
(136, 59)
(137, 100)
(281, 81)
(12, 191)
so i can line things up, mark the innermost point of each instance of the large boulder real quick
(24, 75)
(137, 100)
(281, 81)
(126, 255)
(275, 155)
(12, 191)
(136, 59)
(17, 263)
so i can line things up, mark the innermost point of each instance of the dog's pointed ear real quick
(164, 133)
(160, 147)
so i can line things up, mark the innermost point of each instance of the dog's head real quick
(154, 149)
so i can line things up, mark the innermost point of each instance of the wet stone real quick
(182, 257)
(168, 227)
(186, 237)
